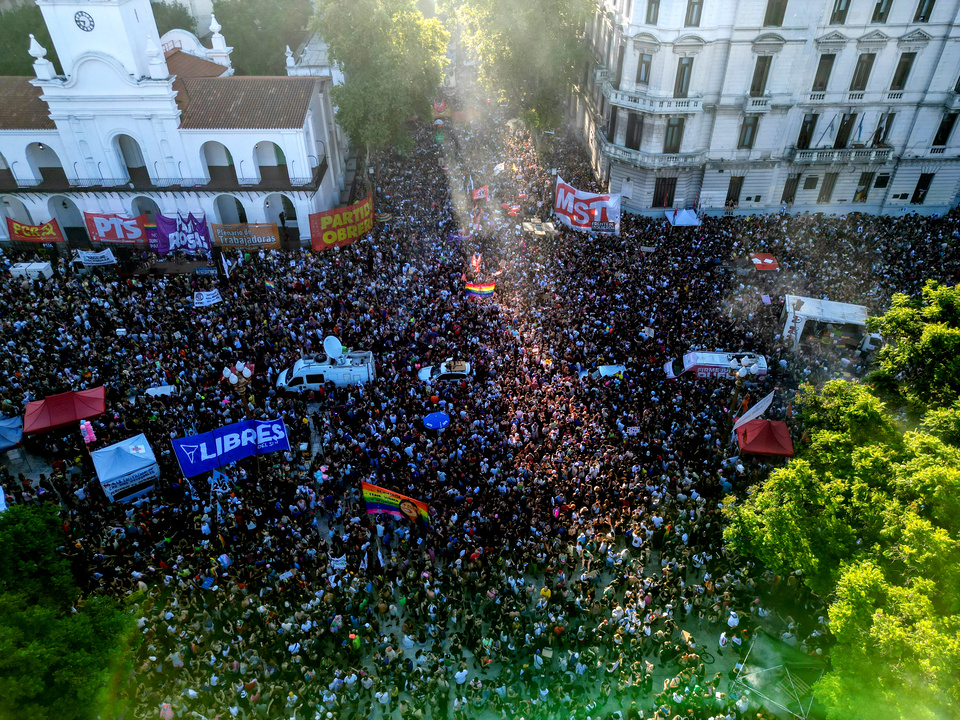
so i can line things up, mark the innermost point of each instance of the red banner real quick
(49, 232)
(481, 193)
(340, 227)
(116, 229)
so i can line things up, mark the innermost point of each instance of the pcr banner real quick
(188, 234)
(340, 227)
(229, 444)
(587, 212)
(96, 259)
(119, 230)
(250, 236)
(49, 232)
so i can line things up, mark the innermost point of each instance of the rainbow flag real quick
(380, 500)
(271, 285)
(479, 289)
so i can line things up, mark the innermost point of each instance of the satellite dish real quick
(332, 347)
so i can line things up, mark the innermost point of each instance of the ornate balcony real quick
(650, 103)
(849, 155)
(650, 161)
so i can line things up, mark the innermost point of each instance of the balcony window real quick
(824, 69)
(943, 132)
(845, 130)
(663, 192)
(734, 188)
(748, 132)
(839, 14)
(634, 131)
(923, 185)
(902, 72)
(775, 12)
(674, 135)
(881, 136)
(923, 11)
(826, 190)
(863, 187)
(760, 73)
(612, 126)
(694, 11)
(861, 73)
(806, 131)
(881, 11)
(643, 69)
(684, 72)
(653, 11)
(790, 189)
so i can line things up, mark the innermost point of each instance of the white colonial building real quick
(137, 123)
(822, 105)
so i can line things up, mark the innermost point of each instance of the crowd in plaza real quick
(570, 568)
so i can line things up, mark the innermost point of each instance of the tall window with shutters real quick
(761, 71)
(684, 72)
(776, 9)
(861, 74)
(694, 11)
(900, 75)
(824, 68)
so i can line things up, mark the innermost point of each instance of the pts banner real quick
(49, 232)
(229, 444)
(587, 212)
(340, 227)
(119, 230)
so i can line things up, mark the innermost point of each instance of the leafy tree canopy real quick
(870, 515)
(29, 562)
(920, 360)
(172, 15)
(260, 30)
(393, 59)
(530, 52)
(15, 29)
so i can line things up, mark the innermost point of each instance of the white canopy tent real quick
(126, 470)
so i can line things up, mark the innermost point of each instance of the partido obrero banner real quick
(248, 236)
(340, 227)
(49, 232)
(586, 212)
(120, 230)
(205, 452)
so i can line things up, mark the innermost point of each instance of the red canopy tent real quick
(765, 437)
(64, 409)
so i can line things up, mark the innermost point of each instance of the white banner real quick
(756, 411)
(339, 563)
(586, 212)
(205, 299)
(104, 257)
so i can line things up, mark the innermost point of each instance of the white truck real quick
(340, 368)
(807, 320)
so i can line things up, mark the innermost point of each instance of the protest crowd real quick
(573, 565)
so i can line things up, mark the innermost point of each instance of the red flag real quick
(481, 193)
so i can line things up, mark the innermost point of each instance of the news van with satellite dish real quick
(714, 364)
(338, 367)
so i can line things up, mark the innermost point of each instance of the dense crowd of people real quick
(573, 565)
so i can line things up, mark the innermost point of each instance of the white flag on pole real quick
(756, 411)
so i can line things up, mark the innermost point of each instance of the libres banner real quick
(188, 234)
(587, 212)
(340, 227)
(119, 230)
(250, 236)
(229, 444)
(49, 232)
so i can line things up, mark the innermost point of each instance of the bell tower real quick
(120, 29)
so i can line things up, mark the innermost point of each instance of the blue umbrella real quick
(436, 421)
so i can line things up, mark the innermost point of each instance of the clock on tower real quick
(84, 21)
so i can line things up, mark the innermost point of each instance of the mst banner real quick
(340, 227)
(187, 234)
(250, 236)
(587, 212)
(229, 444)
(49, 232)
(119, 230)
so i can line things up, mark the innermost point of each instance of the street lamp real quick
(239, 376)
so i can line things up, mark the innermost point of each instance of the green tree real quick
(920, 360)
(530, 52)
(870, 514)
(392, 58)
(16, 26)
(260, 30)
(60, 658)
(172, 15)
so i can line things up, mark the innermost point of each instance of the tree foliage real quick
(870, 515)
(529, 52)
(260, 30)
(57, 655)
(920, 360)
(392, 58)
(171, 15)
(16, 26)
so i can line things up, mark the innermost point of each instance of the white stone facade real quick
(714, 100)
(118, 135)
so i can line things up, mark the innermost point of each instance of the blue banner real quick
(208, 451)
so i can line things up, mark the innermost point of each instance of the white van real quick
(352, 368)
(713, 364)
